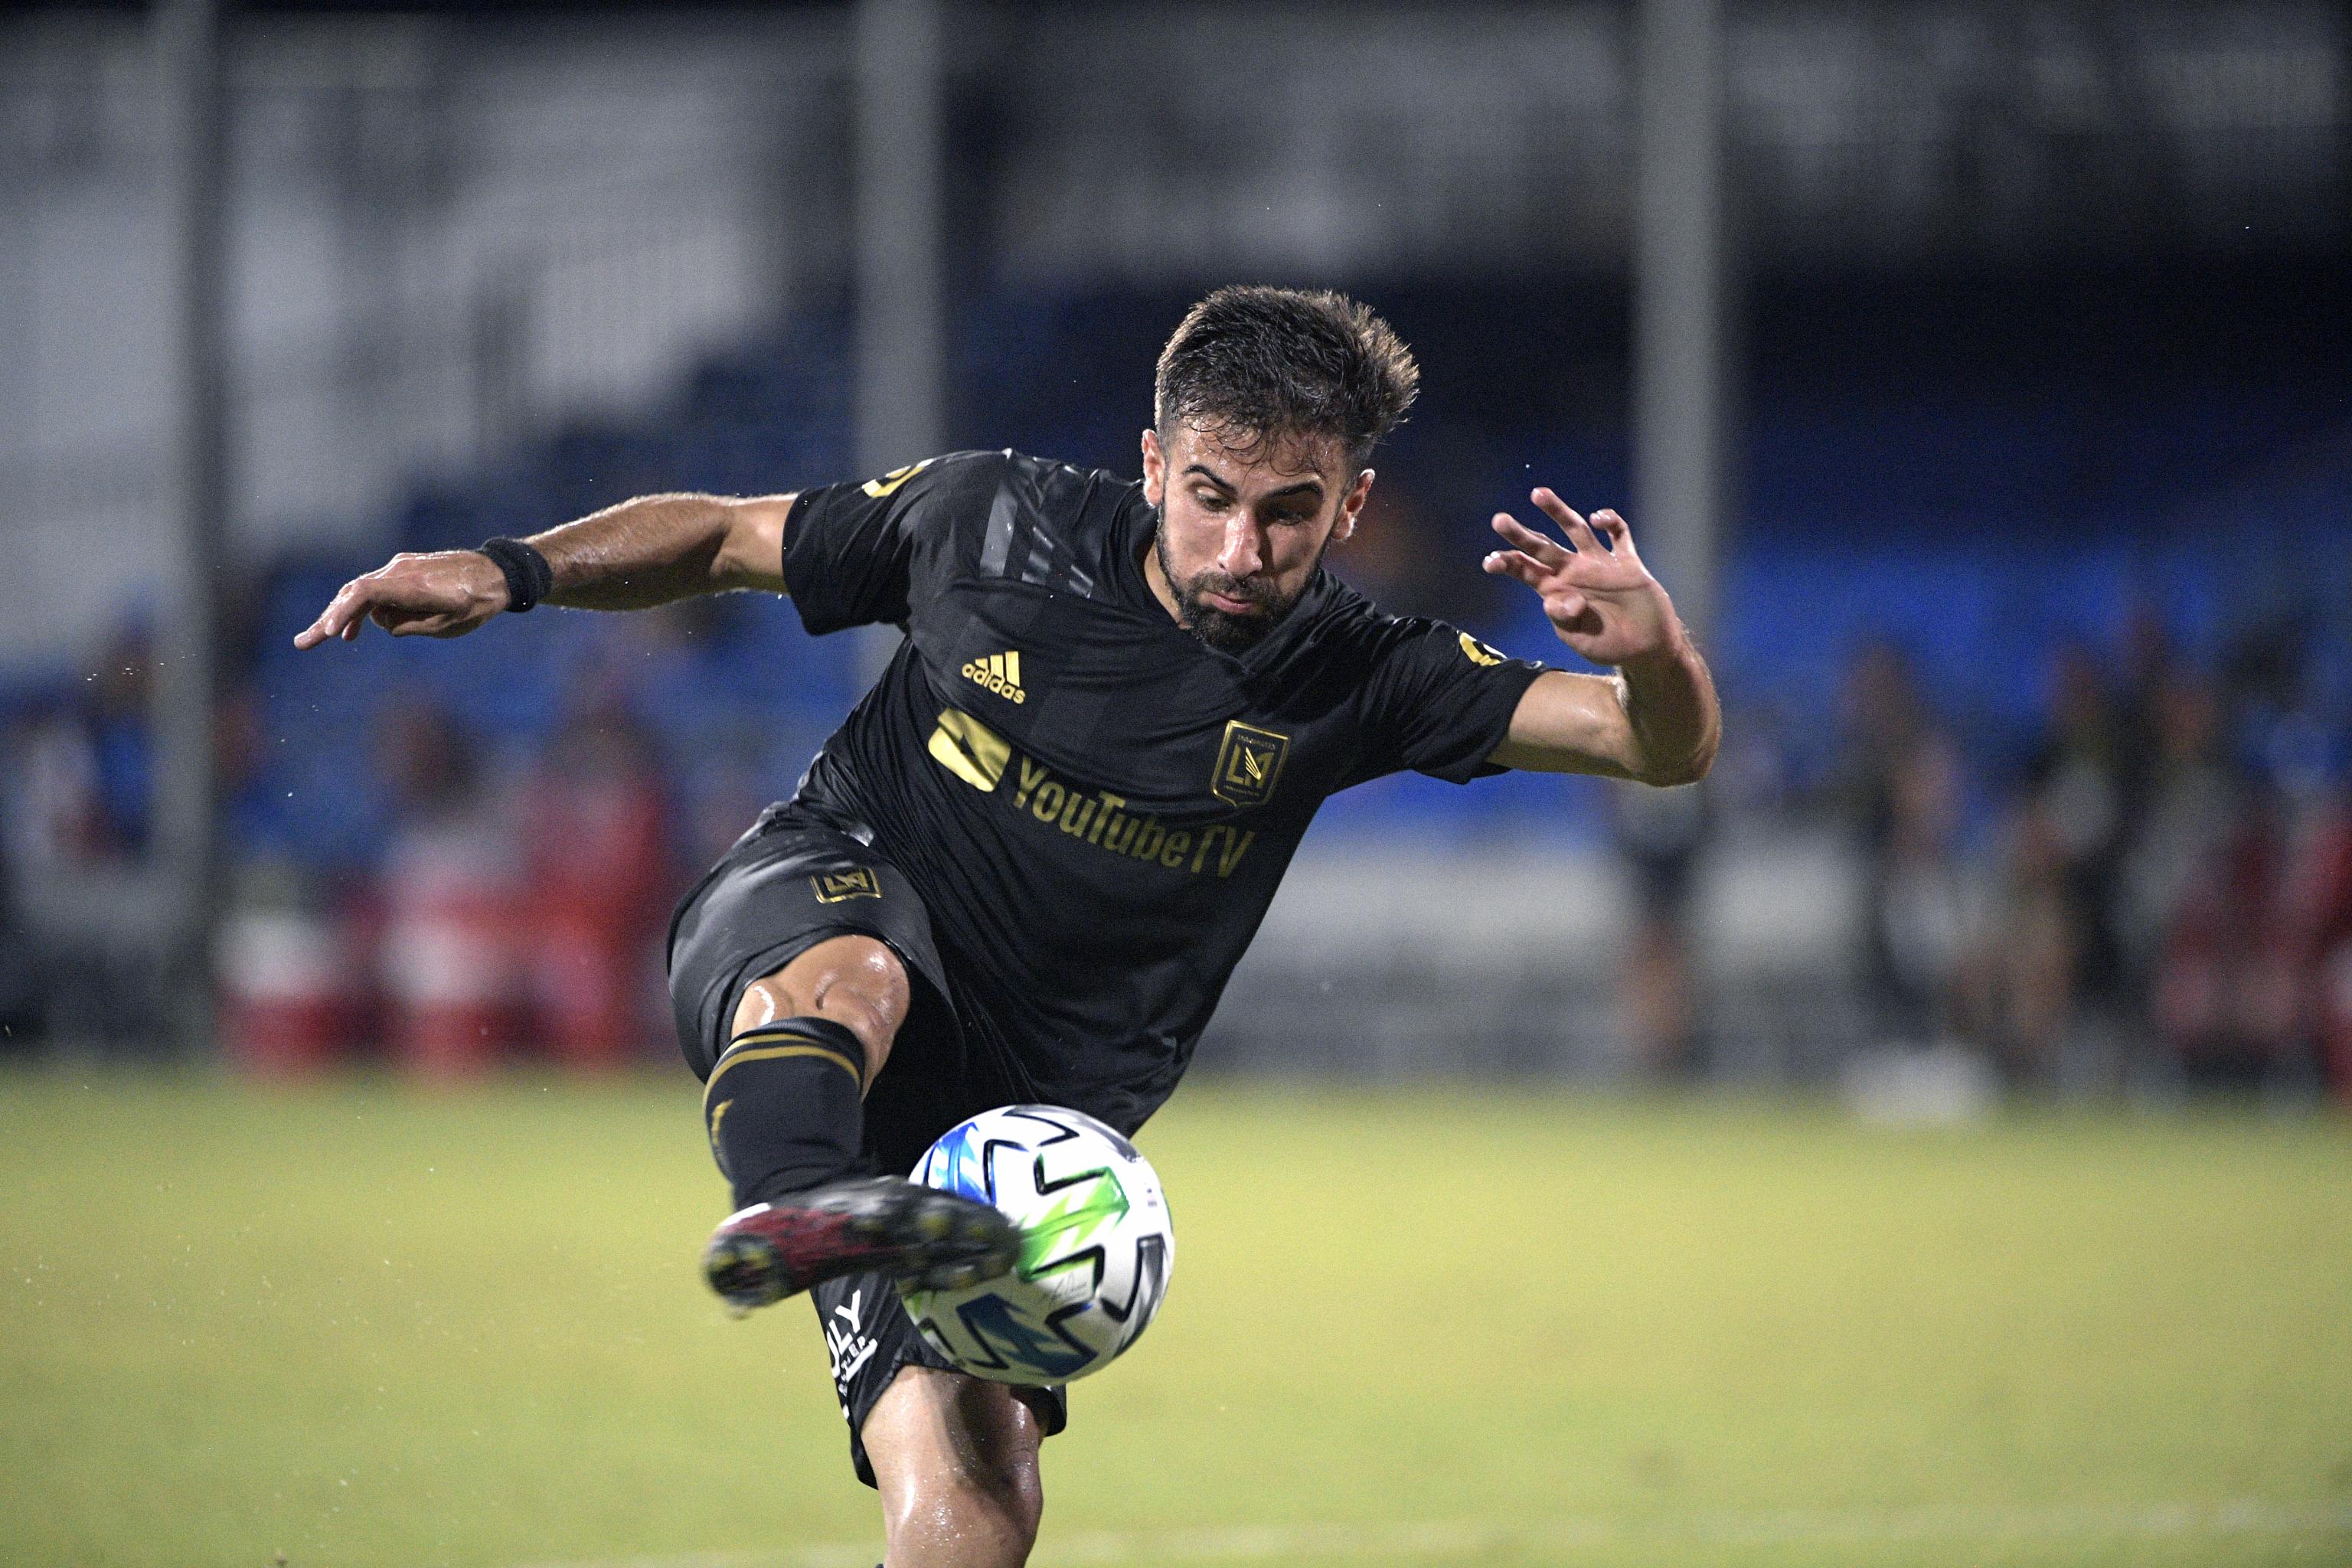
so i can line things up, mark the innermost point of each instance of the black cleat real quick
(920, 1237)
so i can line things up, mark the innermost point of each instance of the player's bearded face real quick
(1205, 600)
(1243, 528)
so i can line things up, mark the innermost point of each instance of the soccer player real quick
(1024, 868)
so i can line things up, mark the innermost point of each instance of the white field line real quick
(1459, 1539)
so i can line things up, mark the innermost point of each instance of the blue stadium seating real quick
(1974, 532)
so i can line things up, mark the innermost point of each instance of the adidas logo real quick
(1000, 673)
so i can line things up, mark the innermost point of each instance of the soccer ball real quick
(1095, 1246)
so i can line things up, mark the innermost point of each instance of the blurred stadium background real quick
(2028, 584)
(1978, 376)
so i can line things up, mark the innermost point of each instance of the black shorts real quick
(790, 883)
(868, 1337)
(785, 886)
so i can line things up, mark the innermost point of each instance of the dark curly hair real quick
(1260, 364)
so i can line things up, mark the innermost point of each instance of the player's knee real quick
(1009, 1488)
(956, 1459)
(854, 981)
(1014, 1504)
(1025, 1504)
(986, 1518)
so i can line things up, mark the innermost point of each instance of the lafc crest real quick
(837, 887)
(1249, 761)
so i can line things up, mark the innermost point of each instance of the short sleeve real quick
(1437, 701)
(862, 554)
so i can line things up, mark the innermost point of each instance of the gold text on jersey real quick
(984, 760)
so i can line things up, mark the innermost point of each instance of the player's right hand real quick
(446, 594)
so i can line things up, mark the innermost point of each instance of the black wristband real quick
(529, 577)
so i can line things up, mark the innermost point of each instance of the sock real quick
(783, 1106)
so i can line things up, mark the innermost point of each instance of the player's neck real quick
(1161, 589)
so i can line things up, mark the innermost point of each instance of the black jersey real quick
(1095, 805)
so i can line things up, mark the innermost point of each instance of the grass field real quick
(362, 1325)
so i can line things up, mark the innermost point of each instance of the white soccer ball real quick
(1095, 1252)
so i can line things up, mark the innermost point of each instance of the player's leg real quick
(793, 966)
(783, 1106)
(783, 1102)
(852, 980)
(955, 1459)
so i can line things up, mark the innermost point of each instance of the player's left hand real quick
(1600, 598)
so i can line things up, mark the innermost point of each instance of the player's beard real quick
(1222, 630)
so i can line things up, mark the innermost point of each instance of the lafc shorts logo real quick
(840, 887)
(1249, 761)
(1000, 673)
(1478, 652)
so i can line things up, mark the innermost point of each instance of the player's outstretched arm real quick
(1656, 720)
(632, 556)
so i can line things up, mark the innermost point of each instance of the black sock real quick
(783, 1106)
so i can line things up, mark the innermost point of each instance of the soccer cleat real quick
(924, 1240)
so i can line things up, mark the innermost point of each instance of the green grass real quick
(365, 1324)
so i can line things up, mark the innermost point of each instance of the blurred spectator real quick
(2319, 936)
(1758, 780)
(290, 994)
(2273, 712)
(1659, 833)
(450, 940)
(57, 818)
(1899, 789)
(1922, 889)
(2021, 978)
(20, 992)
(2146, 668)
(85, 923)
(2246, 874)
(599, 873)
(2190, 803)
(2224, 997)
(2076, 794)
(121, 696)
